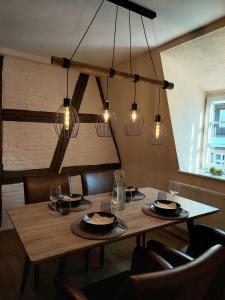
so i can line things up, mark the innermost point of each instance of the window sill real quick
(204, 175)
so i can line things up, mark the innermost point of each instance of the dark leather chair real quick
(199, 279)
(202, 237)
(97, 182)
(36, 189)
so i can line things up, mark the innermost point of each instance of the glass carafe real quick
(120, 189)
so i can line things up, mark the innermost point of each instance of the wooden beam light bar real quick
(100, 71)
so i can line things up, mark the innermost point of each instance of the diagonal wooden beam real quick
(1, 136)
(62, 144)
(103, 102)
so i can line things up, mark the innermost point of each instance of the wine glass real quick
(174, 188)
(55, 194)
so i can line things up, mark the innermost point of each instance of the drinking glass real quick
(55, 194)
(114, 205)
(106, 206)
(174, 188)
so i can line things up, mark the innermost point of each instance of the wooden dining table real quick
(46, 236)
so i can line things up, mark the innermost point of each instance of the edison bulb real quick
(157, 130)
(106, 116)
(134, 116)
(66, 118)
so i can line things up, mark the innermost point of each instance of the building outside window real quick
(213, 150)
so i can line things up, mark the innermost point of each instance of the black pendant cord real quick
(107, 88)
(149, 49)
(114, 37)
(92, 20)
(131, 70)
(135, 91)
(159, 102)
(67, 81)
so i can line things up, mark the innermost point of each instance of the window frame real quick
(210, 97)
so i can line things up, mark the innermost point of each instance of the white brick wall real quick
(35, 86)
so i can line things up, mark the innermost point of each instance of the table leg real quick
(36, 276)
(138, 240)
(143, 240)
(190, 226)
(62, 265)
(26, 270)
(102, 256)
(87, 260)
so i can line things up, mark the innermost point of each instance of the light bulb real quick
(66, 118)
(157, 129)
(134, 116)
(106, 116)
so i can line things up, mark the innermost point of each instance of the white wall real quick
(186, 104)
(31, 85)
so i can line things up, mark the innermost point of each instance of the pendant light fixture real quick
(67, 120)
(157, 131)
(134, 121)
(106, 122)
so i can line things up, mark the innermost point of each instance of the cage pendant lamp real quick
(106, 121)
(157, 131)
(67, 121)
(134, 121)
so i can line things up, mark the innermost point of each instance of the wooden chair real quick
(96, 183)
(202, 238)
(36, 189)
(199, 279)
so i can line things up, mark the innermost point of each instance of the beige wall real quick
(31, 85)
(147, 165)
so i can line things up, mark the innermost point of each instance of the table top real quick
(45, 235)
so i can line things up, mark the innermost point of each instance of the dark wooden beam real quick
(10, 177)
(141, 10)
(19, 115)
(77, 170)
(1, 136)
(63, 142)
(103, 102)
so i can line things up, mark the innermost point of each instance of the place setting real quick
(165, 207)
(64, 204)
(100, 225)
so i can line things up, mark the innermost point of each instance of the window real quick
(213, 153)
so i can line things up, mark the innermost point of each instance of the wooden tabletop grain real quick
(45, 235)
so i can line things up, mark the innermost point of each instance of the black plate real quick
(98, 227)
(164, 211)
(69, 204)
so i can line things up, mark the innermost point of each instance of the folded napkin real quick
(97, 219)
(68, 198)
(171, 205)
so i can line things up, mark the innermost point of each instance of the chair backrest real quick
(36, 188)
(97, 182)
(203, 278)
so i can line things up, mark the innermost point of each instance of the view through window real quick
(213, 154)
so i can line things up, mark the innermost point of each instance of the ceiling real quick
(203, 59)
(54, 27)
